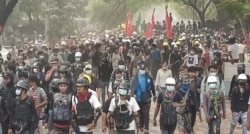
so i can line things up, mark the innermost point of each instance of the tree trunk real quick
(202, 18)
(30, 18)
(244, 30)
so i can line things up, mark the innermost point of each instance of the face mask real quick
(170, 88)
(88, 71)
(123, 92)
(18, 92)
(122, 67)
(20, 67)
(142, 72)
(212, 74)
(35, 70)
(192, 52)
(41, 57)
(77, 59)
(212, 85)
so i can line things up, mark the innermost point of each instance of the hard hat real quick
(197, 43)
(211, 79)
(87, 77)
(170, 81)
(88, 66)
(63, 81)
(63, 69)
(241, 66)
(178, 43)
(173, 43)
(242, 77)
(23, 84)
(165, 43)
(63, 43)
(78, 54)
(54, 83)
(82, 82)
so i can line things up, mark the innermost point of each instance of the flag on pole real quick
(149, 33)
(129, 26)
(138, 25)
(169, 32)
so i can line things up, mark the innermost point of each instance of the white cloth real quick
(192, 60)
(162, 76)
(234, 49)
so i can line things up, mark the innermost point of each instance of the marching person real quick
(168, 100)
(214, 106)
(162, 75)
(142, 88)
(86, 109)
(24, 119)
(124, 112)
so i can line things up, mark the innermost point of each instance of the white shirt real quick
(241, 48)
(162, 76)
(192, 60)
(234, 49)
(94, 103)
(132, 107)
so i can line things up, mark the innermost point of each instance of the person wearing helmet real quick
(144, 89)
(124, 112)
(64, 72)
(169, 99)
(77, 66)
(61, 106)
(214, 106)
(166, 52)
(125, 72)
(24, 118)
(84, 120)
(241, 69)
(239, 103)
(105, 70)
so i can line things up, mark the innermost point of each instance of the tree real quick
(6, 7)
(200, 7)
(110, 13)
(237, 10)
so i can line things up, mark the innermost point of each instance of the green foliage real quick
(110, 13)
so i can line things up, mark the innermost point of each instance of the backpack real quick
(61, 108)
(122, 115)
(168, 112)
(85, 112)
(21, 118)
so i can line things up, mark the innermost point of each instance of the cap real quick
(89, 66)
(142, 66)
(192, 69)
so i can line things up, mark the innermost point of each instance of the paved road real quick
(200, 127)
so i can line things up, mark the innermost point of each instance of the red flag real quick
(129, 26)
(149, 33)
(169, 31)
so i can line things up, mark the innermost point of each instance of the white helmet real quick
(242, 77)
(78, 54)
(211, 79)
(170, 81)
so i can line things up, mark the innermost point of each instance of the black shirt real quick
(239, 101)
(105, 108)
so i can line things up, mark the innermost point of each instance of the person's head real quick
(242, 79)
(21, 87)
(116, 49)
(78, 56)
(21, 65)
(8, 78)
(212, 84)
(137, 51)
(142, 68)
(241, 68)
(53, 86)
(165, 66)
(63, 85)
(63, 71)
(192, 72)
(153, 46)
(8, 56)
(104, 56)
(212, 69)
(123, 88)
(23, 75)
(54, 62)
(33, 80)
(118, 74)
(88, 69)
(170, 84)
(192, 51)
(121, 64)
(82, 85)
